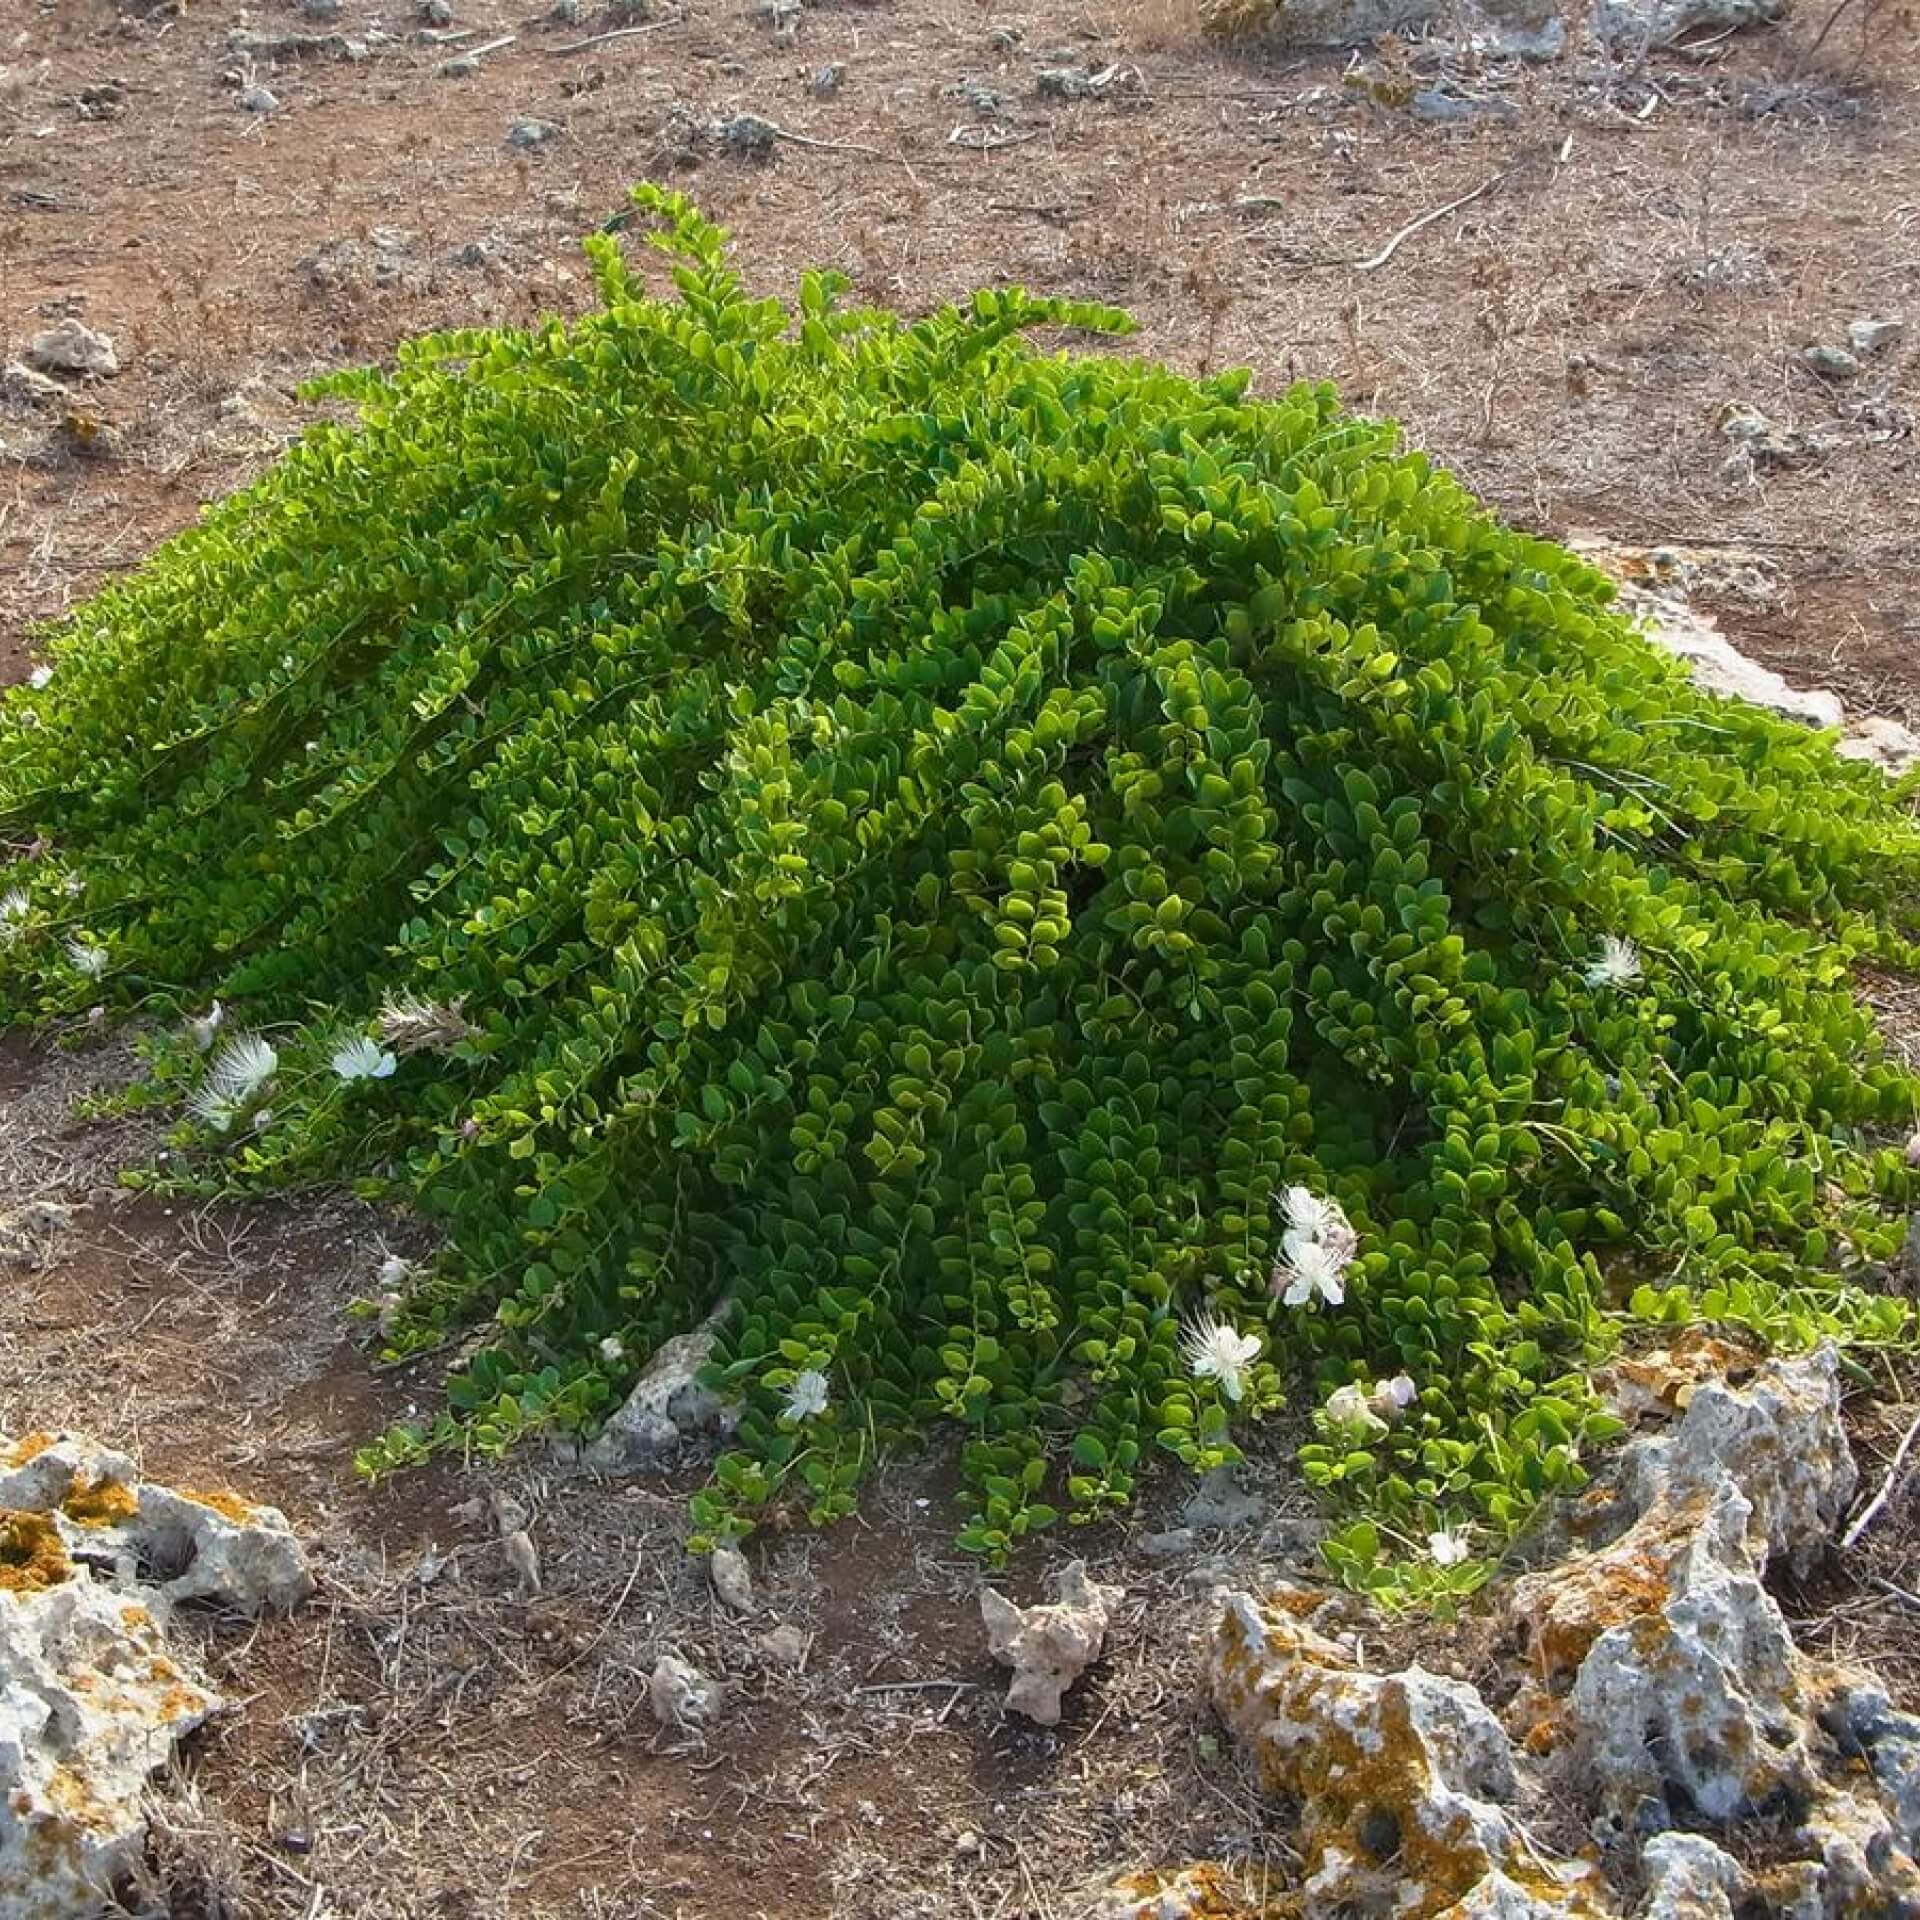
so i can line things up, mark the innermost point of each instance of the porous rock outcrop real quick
(1406, 1780)
(92, 1562)
(1667, 1701)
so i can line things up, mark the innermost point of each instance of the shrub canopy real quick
(926, 839)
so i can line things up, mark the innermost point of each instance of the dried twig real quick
(1412, 227)
(616, 33)
(826, 146)
(1879, 1500)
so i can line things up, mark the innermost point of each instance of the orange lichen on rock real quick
(29, 1447)
(229, 1505)
(1663, 1379)
(32, 1555)
(1399, 1773)
(1204, 1891)
(1565, 1609)
(100, 1503)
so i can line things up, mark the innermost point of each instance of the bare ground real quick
(1660, 239)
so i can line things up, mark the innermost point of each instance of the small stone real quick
(1870, 336)
(1218, 1502)
(785, 1646)
(1688, 1878)
(667, 1405)
(681, 1695)
(73, 348)
(25, 391)
(29, 1234)
(1049, 1647)
(565, 13)
(826, 80)
(258, 100)
(732, 1578)
(321, 9)
(437, 13)
(1830, 362)
(524, 1558)
(528, 135)
(461, 67)
(1169, 1545)
(750, 136)
(1912, 1154)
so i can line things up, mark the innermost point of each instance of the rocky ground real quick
(1642, 281)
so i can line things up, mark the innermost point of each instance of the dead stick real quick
(917, 1686)
(828, 146)
(1412, 227)
(617, 33)
(1879, 1500)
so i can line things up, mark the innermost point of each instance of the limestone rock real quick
(26, 391)
(1313, 23)
(1868, 336)
(785, 1646)
(29, 1234)
(681, 1695)
(194, 1546)
(1205, 1890)
(1659, 23)
(1829, 362)
(1654, 588)
(1219, 1501)
(667, 1406)
(72, 348)
(90, 1705)
(1779, 1439)
(1688, 1878)
(1404, 1779)
(1696, 1703)
(1049, 1647)
(91, 1561)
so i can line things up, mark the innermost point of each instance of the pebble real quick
(681, 1695)
(258, 100)
(1830, 362)
(732, 1578)
(437, 13)
(27, 390)
(1869, 336)
(530, 134)
(785, 1646)
(460, 67)
(1169, 1545)
(826, 80)
(1218, 1502)
(73, 348)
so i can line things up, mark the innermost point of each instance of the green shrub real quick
(930, 841)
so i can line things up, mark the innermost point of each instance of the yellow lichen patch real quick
(100, 1503)
(1203, 1891)
(1662, 1379)
(31, 1447)
(1365, 1771)
(32, 1555)
(135, 1618)
(229, 1505)
(1565, 1609)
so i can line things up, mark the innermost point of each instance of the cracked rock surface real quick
(1668, 1705)
(92, 1562)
